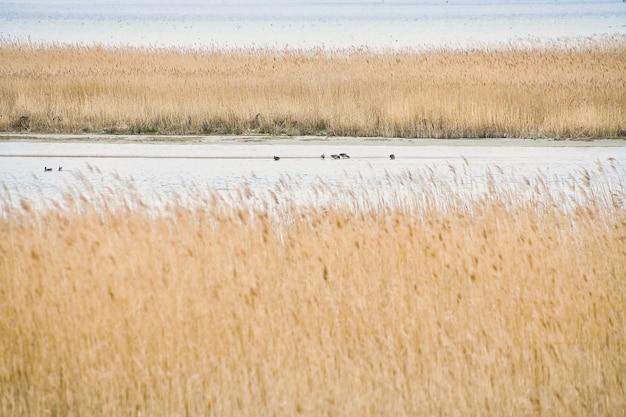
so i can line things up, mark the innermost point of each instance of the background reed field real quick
(569, 90)
(442, 306)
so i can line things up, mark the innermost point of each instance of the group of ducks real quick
(276, 158)
(335, 156)
(340, 156)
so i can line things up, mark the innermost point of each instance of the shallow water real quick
(160, 169)
(375, 24)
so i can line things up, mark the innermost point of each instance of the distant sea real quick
(310, 24)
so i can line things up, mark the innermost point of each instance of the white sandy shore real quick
(308, 140)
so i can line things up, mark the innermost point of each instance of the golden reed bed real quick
(500, 306)
(575, 90)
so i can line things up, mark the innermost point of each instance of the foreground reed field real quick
(576, 90)
(495, 306)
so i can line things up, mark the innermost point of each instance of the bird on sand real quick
(392, 156)
(276, 158)
(46, 169)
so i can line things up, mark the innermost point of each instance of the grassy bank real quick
(573, 91)
(496, 306)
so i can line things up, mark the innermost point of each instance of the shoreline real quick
(310, 140)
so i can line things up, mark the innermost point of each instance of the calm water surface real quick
(160, 169)
(385, 24)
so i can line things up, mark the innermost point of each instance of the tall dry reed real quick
(485, 308)
(574, 90)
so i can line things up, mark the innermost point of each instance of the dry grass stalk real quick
(575, 91)
(107, 309)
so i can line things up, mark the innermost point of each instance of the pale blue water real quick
(375, 24)
(162, 170)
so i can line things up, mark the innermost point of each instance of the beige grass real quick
(576, 90)
(108, 308)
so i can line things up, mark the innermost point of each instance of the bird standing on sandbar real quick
(46, 169)
(392, 156)
(276, 158)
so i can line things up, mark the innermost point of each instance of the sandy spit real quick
(306, 140)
